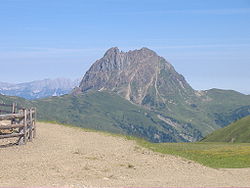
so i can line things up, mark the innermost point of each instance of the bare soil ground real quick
(71, 157)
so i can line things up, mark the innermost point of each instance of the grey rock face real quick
(148, 80)
(140, 76)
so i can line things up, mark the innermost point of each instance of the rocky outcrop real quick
(140, 76)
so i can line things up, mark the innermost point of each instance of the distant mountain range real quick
(139, 93)
(39, 89)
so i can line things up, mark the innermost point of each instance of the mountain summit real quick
(149, 81)
(140, 76)
(146, 79)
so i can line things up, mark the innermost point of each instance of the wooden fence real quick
(22, 123)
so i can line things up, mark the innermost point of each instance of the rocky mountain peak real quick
(140, 76)
(143, 52)
(147, 51)
(112, 51)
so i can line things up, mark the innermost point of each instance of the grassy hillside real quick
(238, 131)
(215, 155)
(106, 111)
(21, 102)
(110, 112)
(207, 111)
(10, 99)
(225, 106)
(176, 122)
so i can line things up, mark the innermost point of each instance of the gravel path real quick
(71, 157)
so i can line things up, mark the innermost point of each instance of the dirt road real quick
(71, 157)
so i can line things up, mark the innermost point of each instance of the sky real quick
(206, 41)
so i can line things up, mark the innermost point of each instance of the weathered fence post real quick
(13, 112)
(34, 133)
(25, 126)
(31, 124)
(13, 108)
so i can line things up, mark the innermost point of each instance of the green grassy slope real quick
(238, 131)
(212, 110)
(226, 106)
(187, 119)
(225, 100)
(21, 102)
(215, 155)
(106, 111)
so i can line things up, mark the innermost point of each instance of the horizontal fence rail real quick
(7, 105)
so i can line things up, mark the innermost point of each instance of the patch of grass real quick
(215, 155)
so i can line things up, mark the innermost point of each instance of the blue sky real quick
(206, 41)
